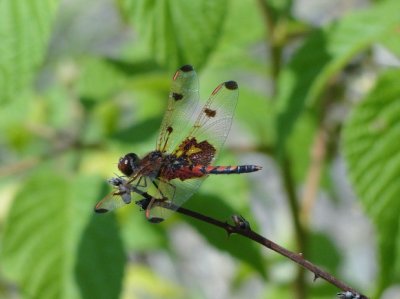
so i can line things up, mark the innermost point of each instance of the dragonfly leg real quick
(154, 202)
(140, 184)
(150, 218)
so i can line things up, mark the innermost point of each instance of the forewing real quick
(123, 193)
(182, 102)
(213, 123)
(109, 203)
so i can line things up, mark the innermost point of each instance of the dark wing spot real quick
(209, 112)
(231, 85)
(177, 96)
(186, 68)
(100, 210)
(155, 220)
(170, 129)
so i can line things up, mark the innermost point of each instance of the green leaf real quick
(100, 263)
(317, 247)
(303, 80)
(25, 28)
(99, 79)
(45, 232)
(143, 282)
(138, 233)
(177, 32)
(392, 43)
(371, 146)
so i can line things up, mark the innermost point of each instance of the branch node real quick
(241, 223)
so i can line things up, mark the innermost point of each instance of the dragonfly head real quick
(128, 164)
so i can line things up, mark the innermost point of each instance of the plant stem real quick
(274, 44)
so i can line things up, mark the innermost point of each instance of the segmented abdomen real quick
(229, 169)
(191, 172)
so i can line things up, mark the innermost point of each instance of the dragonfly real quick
(190, 139)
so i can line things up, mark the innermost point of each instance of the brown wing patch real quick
(197, 153)
(210, 112)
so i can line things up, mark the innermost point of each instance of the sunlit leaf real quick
(177, 32)
(371, 146)
(49, 236)
(323, 55)
(25, 27)
(142, 282)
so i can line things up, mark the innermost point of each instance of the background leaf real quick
(323, 55)
(40, 245)
(25, 29)
(371, 148)
(100, 249)
(167, 29)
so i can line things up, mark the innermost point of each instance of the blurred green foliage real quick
(84, 82)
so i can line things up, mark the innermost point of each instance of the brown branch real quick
(242, 227)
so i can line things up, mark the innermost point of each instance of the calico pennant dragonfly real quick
(190, 140)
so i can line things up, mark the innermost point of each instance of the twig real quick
(242, 227)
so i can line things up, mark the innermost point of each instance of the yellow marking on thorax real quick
(192, 150)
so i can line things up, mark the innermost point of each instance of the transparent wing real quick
(182, 102)
(201, 146)
(122, 195)
(174, 192)
(211, 128)
(110, 202)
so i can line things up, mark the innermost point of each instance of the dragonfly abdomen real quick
(230, 169)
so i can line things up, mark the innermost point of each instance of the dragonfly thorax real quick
(128, 164)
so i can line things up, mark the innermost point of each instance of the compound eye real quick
(128, 164)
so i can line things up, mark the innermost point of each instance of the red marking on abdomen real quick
(185, 173)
